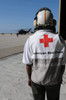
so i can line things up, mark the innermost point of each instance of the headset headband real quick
(44, 8)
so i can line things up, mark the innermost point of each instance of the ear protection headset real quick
(44, 17)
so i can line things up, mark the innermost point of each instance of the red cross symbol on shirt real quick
(46, 40)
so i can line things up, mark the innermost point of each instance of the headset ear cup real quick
(35, 23)
(54, 22)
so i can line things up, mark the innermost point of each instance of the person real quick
(44, 56)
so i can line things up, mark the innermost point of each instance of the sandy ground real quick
(11, 44)
(13, 80)
(8, 40)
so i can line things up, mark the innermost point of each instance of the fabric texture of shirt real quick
(47, 52)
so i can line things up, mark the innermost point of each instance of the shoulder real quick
(61, 39)
(35, 34)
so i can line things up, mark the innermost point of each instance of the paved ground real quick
(13, 80)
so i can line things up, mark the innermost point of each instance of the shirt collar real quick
(46, 30)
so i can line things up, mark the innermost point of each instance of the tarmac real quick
(13, 80)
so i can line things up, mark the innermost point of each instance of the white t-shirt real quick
(47, 52)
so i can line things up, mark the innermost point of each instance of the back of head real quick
(44, 19)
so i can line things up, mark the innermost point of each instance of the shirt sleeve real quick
(27, 54)
(64, 57)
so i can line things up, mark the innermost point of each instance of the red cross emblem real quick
(46, 40)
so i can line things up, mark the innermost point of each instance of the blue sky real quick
(19, 14)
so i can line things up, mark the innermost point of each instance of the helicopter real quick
(23, 31)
